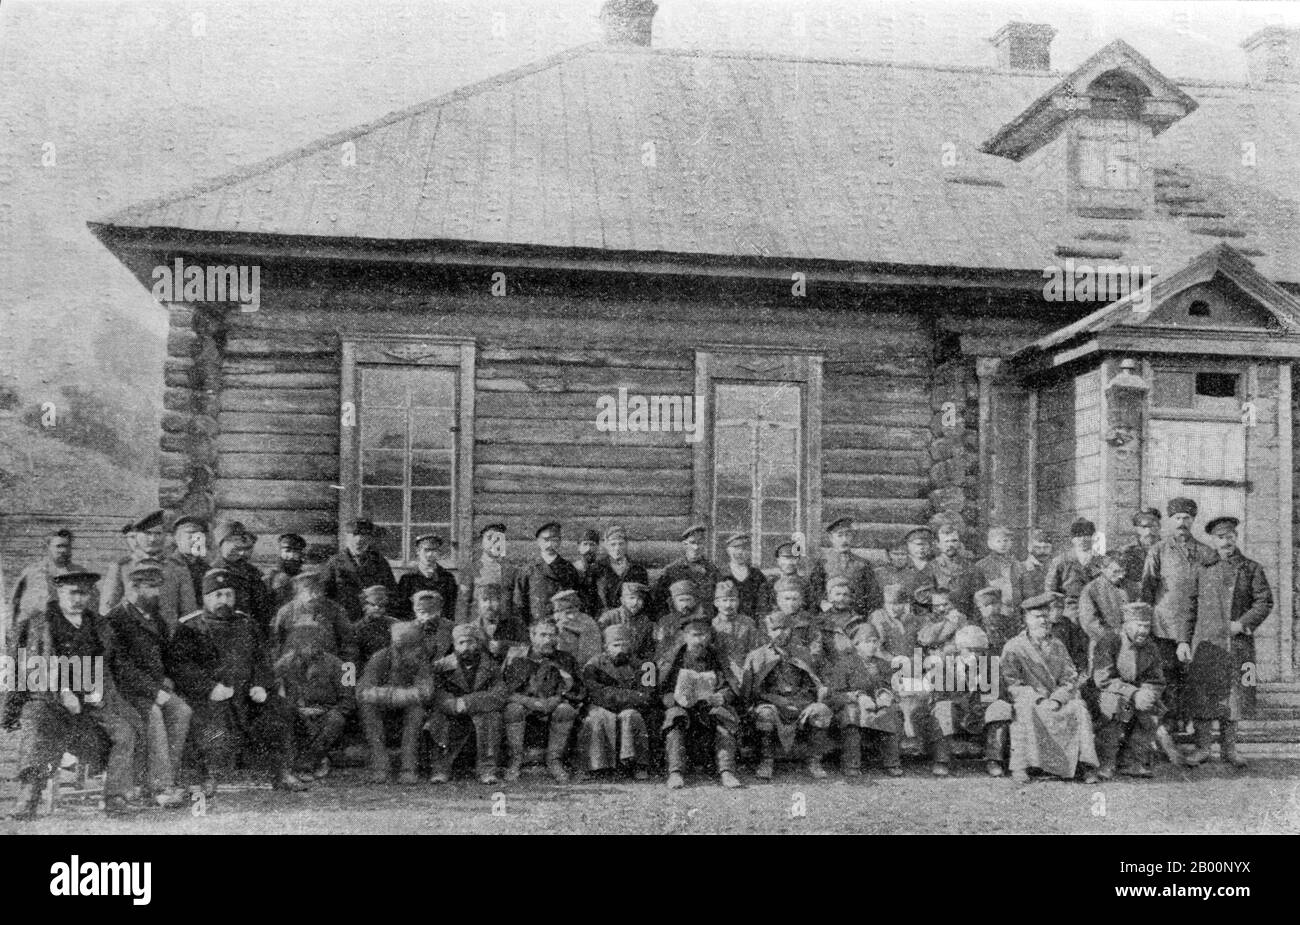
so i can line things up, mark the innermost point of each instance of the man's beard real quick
(149, 605)
(1038, 635)
(623, 658)
(291, 566)
(222, 612)
(469, 659)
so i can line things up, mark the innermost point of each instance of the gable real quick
(1219, 303)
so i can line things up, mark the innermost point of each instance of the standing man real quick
(35, 588)
(631, 612)
(692, 567)
(918, 573)
(1034, 580)
(1134, 556)
(788, 558)
(585, 565)
(147, 538)
(546, 576)
(840, 560)
(279, 580)
(1167, 578)
(894, 571)
(1102, 602)
(614, 569)
(1067, 575)
(190, 535)
(955, 570)
(756, 596)
(490, 568)
(1001, 570)
(357, 567)
(429, 575)
(1228, 599)
(252, 596)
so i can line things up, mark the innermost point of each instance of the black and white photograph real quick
(620, 417)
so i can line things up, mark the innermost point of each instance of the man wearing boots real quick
(467, 702)
(543, 688)
(631, 612)
(784, 695)
(967, 707)
(701, 706)
(623, 704)
(394, 691)
(1126, 669)
(863, 699)
(1229, 598)
(311, 678)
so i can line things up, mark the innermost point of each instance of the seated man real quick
(784, 696)
(468, 697)
(1126, 668)
(374, 630)
(684, 607)
(734, 634)
(1051, 729)
(137, 661)
(70, 712)
(621, 694)
(990, 616)
(579, 634)
(498, 634)
(310, 607)
(219, 664)
(940, 625)
(631, 612)
(838, 620)
(435, 629)
(699, 698)
(312, 681)
(965, 704)
(544, 688)
(863, 699)
(896, 623)
(393, 692)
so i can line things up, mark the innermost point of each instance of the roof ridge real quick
(249, 171)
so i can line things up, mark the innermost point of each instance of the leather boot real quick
(28, 799)
(767, 763)
(556, 745)
(1166, 742)
(1228, 743)
(995, 748)
(1201, 753)
(851, 751)
(942, 756)
(515, 746)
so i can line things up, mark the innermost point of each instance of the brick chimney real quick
(1024, 46)
(628, 22)
(1273, 55)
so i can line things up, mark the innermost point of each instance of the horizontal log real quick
(260, 422)
(866, 411)
(300, 401)
(587, 482)
(857, 461)
(275, 443)
(560, 406)
(273, 522)
(277, 494)
(180, 342)
(597, 358)
(874, 486)
(318, 466)
(884, 510)
(304, 342)
(583, 433)
(243, 365)
(897, 390)
(542, 378)
(277, 380)
(873, 436)
(883, 364)
(620, 457)
(574, 505)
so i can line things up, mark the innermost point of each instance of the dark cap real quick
(293, 541)
(919, 531)
(145, 569)
(191, 519)
(1221, 524)
(692, 530)
(590, 536)
(1083, 527)
(147, 522)
(433, 538)
(78, 577)
(217, 579)
(236, 530)
(361, 526)
(739, 539)
(492, 528)
(1147, 517)
(551, 526)
(1181, 506)
(1040, 602)
(845, 523)
(787, 550)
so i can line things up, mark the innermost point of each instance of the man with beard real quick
(1102, 601)
(621, 693)
(498, 635)
(435, 630)
(429, 575)
(754, 590)
(234, 547)
(838, 621)
(35, 588)
(491, 567)
(544, 688)
(1134, 555)
(961, 707)
(894, 571)
(1034, 580)
(840, 560)
(784, 695)
(614, 570)
(734, 634)
(147, 538)
(190, 537)
(1126, 670)
(548, 575)
(896, 623)
(584, 563)
(309, 607)
(1051, 729)
(468, 697)
(1228, 599)
(579, 634)
(374, 631)
(358, 566)
(322, 701)
(219, 664)
(631, 612)
(917, 573)
(954, 570)
(279, 580)
(692, 566)
(137, 660)
(70, 712)
(1067, 575)
(1167, 578)
(694, 714)
(861, 695)
(684, 601)
(393, 693)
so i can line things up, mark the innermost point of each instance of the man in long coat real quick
(357, 567)
(692, 566)
(546, 576)
(1227, 601)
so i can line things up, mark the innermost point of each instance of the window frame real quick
(409, 351)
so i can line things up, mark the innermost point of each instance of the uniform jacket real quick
(1068, 576)
(739, 637)
(641, 626)
(959, 576)
(702, 572)
(252, 596)
(608, 584)
(483, 689)
(580, 636)
(441, 581)
(531, 674)
(897, 637)
(316, 682)
(347, 576)
(539, 582)
(196, 566)
(501, 571)
(1223, 591)
(852, 675)
(1101, 608)
(370, 635)
(619, 687)
(340, 635)
(1033, 581)
(1167, 583)
(47, 633)
(206, 651)
(138, 657)
(397, 678)
(177, 592)
(1007, 573)
(757, 599)
(279, 584)
(866, 594)
(757, 684)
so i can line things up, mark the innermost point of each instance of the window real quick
(1216, 385)
(1198, 309)
(1109, 155)
(407, 440)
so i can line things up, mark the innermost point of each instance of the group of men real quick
(1096, 660)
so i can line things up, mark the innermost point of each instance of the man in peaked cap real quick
(1167, 577)
(917, 573)
(429, 575)
(784, 695)
(357, 566)
(834, 638)
(684, 600)
(841, 560)
(700, 708)
(279, 579)
(789, 559)
(1134, 554)
(623, 705)
(1068, 574)
(632, 613)
(862, 697)
(468, 697)
(147, 539)
(584, 563)
(1126, 670)
(220, 666)
(543, 688)
(501, 635)
(579, 633)
(1228, 600)
(490, 566)
(613, 569)
(693, 566)
(754, 590)
(374, 631)
(734, 634)
(190, 539)
(546, 576)
(70, 713)
(235, 544)
(435, 629)
(35, 588)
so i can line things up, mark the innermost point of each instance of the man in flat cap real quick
(584, 563)
(755, 591)
(316, 687)
(137, 660)
(966, 704)
(784, 696)
(77, 709)
(1068, 574)
(692, 566)
(359, 565)
(579, 633)
(309, 607)
(1134, 554)
(468, 698)
(622, 707)
(990, 616)
(838, 619)
(894, 570)
(279, 580)
(1052, 729)
(544, 692)
(685, 606)
(234, 548)
(701, 709)
(544, 577)
(393, 695)
(1166, 585)
(147, 538)
(840, 560)
(499, 634)
(435, 630)
(1002, 570)
(954, 569)
(429, 575)
(490, 566)
(374, 630)
(1034, 581)
(1101, 603)
(789, 559)
(613, 569)
(1126, 670)
(1228, 599)
(734, 634)
(862, 697)
(632, 612)
(191, 552)
(918, 573)
(218, 661)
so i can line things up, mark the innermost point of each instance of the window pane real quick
(431, 469)
(732, 453)
(779, 403)
(732, 515)
(778, 516)
(431, 505)
(433, 388)
(382, 505)
(383, 388)
(382, 467)
(388, 540)
(783, 483)
(431, 428)
(385, 429)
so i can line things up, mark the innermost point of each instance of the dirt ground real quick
(1212, 800)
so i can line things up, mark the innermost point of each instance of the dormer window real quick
(1110, 154)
